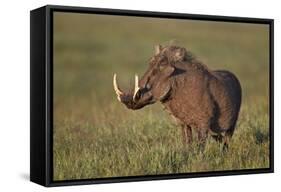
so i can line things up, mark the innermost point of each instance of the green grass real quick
(142, 144)
(95, 136)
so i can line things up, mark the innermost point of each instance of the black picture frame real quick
(41, 100)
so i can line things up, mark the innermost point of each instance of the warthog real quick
(199, 99)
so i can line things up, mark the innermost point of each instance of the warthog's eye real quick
(154, 72)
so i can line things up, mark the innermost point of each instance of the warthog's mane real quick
(180, 54)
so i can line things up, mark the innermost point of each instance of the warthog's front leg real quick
(202, 134)
(187, 134)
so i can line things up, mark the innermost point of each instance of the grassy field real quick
(95, 136)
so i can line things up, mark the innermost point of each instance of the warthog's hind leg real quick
(226, 139)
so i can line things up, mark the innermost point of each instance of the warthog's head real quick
(157, 82)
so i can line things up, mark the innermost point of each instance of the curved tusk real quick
(116, 88)
(136, 86)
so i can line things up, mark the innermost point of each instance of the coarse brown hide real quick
(199, 99)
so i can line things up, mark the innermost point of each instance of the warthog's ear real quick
(158, 49)
(180, 54)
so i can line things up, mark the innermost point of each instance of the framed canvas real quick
(201, 106)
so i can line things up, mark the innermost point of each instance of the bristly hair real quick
(176, 53)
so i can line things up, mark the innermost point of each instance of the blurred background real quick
(95, 136)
